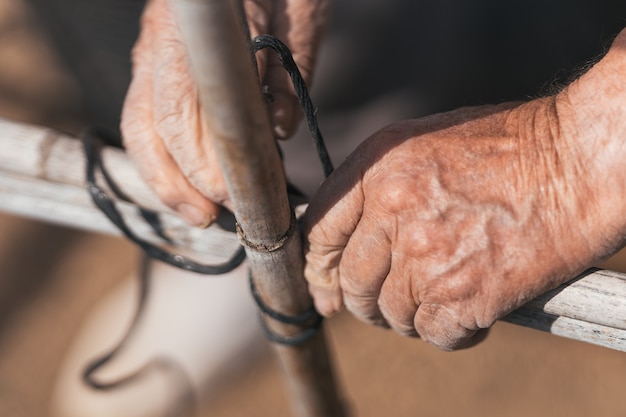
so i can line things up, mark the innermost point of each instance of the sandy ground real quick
(51, 276)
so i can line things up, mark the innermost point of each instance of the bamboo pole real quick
(233, 106)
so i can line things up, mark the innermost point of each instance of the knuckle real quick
(439, 326)
(208, 180)
(319, 251)
(400, 321)
(364, 307)
(159, 180)
(401, 327)
(362, 293)
(394, 195)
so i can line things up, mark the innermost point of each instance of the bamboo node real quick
(265, 247)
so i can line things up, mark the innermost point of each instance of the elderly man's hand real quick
(438, 227)
(162, 126)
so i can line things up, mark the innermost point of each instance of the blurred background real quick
(64, 64)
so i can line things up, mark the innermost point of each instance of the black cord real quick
(187, 401)
(92, 146)
(93, 137)
(284, 54)
(93, 140)
(92, 367)
(309, 317)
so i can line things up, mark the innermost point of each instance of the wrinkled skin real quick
(162, 127)
(438, 227)
(435, 227)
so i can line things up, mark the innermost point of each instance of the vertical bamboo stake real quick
(233, 107)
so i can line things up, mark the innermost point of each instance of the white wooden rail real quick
(42, 177)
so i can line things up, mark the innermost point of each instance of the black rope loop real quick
(90, 370)
(161, 363)
(293, 340)
(307, 316)
(92, 144)
(93, 139)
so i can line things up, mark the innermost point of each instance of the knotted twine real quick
(93, 141)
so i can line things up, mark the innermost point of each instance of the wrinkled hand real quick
(163, 130)
(438, 227)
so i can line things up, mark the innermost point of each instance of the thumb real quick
(329, 222)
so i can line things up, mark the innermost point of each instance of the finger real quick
(299, 24)
(441, 327)
(284, 111)
(398, 302)
(329, 222)
(258, 14)
(157, 167)
(177, 115)
(365, 264)
(153, 161)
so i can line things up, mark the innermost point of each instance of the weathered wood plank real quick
(596, 297)
(570, 328)
(43, 153)
(69, 205)
(42, 176)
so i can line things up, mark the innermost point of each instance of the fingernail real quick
(194, 216)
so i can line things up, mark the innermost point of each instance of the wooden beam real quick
(590, 308)
(42, 177)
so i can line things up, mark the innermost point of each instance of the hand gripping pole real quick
(233, 107)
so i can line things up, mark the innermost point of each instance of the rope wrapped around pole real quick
(233, 106)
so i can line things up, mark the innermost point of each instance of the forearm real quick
(592, 115)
